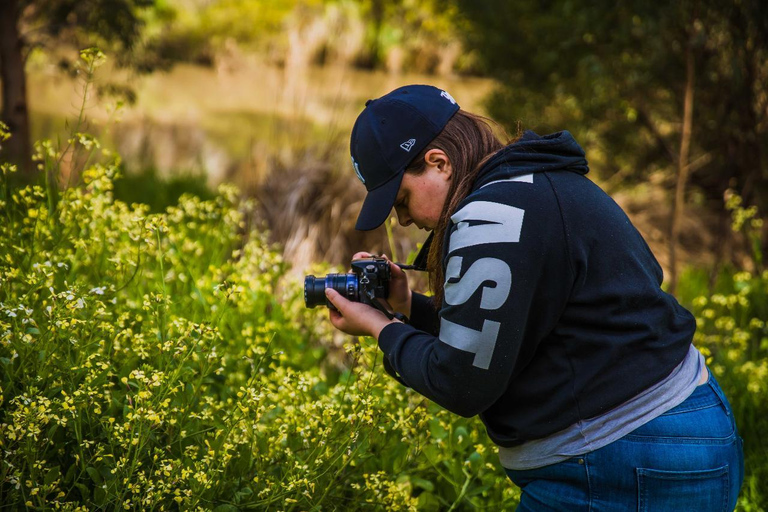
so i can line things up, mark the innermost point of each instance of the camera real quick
(368, 281)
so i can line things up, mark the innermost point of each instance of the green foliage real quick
(166, 360)
(615, 75)
(159, 193)
(731, 331)
(113, 24)
(364, 32)
(160, 359)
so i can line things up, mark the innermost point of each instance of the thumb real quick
(336, 299)
(396, 271)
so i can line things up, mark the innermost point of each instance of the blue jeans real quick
(689, 458)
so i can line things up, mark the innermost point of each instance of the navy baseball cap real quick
(387, 135)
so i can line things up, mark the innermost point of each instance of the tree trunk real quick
(683, 169)
(17, 149)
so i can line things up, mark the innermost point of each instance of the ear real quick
(437, 158)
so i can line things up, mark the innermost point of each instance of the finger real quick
(336, 299)
(359, 255)
(336, 319)
(391, 263)
(397, 272)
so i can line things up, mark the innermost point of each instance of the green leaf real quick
(245, 459)
(226, 508)
(95, 475)
(423, 484)
(70, 474)
(477, 491)
(242, 493)
(99, 495)
(53, 474)
(84, 492)
(460, 432)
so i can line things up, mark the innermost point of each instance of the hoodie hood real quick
(531, 153)
(534, 153)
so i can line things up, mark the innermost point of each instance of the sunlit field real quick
(224, 121)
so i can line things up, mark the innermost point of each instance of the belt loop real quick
(712, 382)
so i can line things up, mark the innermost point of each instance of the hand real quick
(355, 318)
(399, 292)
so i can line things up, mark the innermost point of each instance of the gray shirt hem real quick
(589, 435)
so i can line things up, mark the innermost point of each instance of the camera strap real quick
(376, 304)
(420, 262)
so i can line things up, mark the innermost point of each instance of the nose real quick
(403, 219)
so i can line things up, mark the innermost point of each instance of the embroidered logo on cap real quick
(448, 97)
(357, 170)
(407, 145)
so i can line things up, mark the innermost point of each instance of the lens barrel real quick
(314, 288)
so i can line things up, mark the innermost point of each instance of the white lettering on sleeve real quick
(480, 343)
(479, 222)
(481, 271)
(503, 224)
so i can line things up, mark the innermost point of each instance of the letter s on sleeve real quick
(481, 271)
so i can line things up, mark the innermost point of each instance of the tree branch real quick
(645, 120)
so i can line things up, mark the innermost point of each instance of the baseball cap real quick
(387, 135)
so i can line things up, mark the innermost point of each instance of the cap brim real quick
(378, 203)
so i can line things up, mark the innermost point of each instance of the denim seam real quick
(589, 482)
(680, 440)
(641, 489)
(674, 411)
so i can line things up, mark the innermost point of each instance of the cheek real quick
(438, 197)
(431, 206)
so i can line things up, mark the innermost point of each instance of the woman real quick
(547, 318)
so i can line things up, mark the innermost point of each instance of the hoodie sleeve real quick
(424, 316)
(508, 276)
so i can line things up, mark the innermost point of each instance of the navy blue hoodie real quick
(552, 311)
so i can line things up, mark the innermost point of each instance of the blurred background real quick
(669, 102)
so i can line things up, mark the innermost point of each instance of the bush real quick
(166, 360)
(733, 334)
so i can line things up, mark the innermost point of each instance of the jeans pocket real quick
(661, 491)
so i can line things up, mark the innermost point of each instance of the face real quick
(421, 197)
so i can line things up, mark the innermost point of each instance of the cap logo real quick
(448, 97)
(357, 170)
(407, 145)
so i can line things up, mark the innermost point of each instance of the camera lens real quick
(314, 288)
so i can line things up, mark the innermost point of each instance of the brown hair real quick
(469, 141)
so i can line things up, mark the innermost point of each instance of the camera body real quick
(368, 281)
